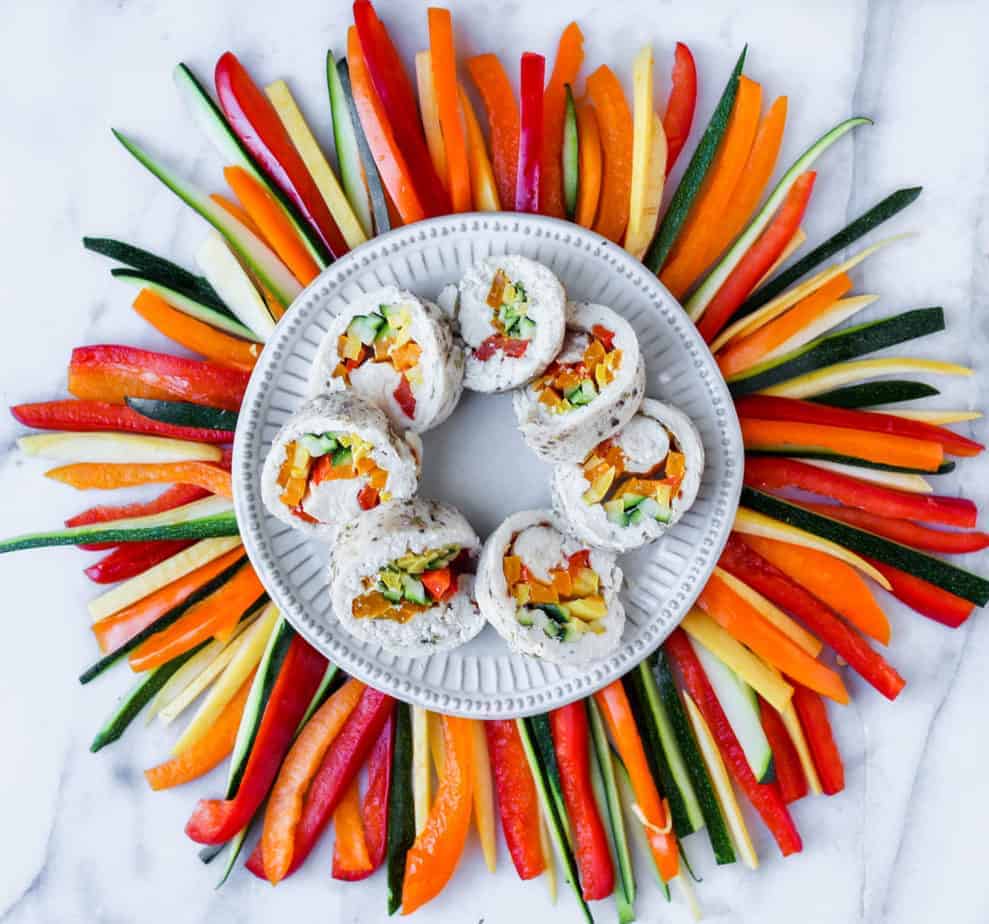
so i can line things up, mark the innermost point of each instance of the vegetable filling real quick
(571, 601)
(383, 336)
(318, 457)
(412, 584)
(587, 364)
(509, 304)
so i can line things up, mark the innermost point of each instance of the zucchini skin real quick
(869, 394)
(401, 814)
(185, 414)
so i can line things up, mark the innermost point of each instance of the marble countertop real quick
(85, 840)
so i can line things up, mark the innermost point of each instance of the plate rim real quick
(248, 505)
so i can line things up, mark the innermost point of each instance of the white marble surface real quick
(84, 839)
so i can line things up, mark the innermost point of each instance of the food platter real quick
(478, 461)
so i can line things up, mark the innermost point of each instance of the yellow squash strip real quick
(548, 858)
(901, 481)
(752, 523)
(482, 182)
(773, 614)
(160, 575)
(483, 791)
(316, 163)
(851, 373)
(689, 895)
(796, 732)
(793, 245)
(769, 684)
(722, 785)
(774, 308)
(245, 657)
(431, 113)
(421, 782)
(182, 678)
(648, 159)
(938, 418)
(116, 447)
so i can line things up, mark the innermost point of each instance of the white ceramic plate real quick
(478, 461)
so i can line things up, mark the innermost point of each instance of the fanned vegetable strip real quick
(351, 860)
(679, 115)
(127, 561)
(430, 112)
(566, 67)
(502, 111)
(527, 183)
(482, 179)
(926, 598)
(444, 64)
(615, 124)
(590, 160)
(109, 475)
(814, 720)
(786, 762)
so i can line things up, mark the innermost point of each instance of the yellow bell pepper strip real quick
(615, 123)
(430, 112)
(484, 812)
(649, 153)
(434, 856)
(502, 110)
(566, 67)
(482, 178)
(444, 63)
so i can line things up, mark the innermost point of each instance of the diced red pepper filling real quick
(565, 386)
(508, 303)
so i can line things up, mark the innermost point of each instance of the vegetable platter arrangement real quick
(840, 475)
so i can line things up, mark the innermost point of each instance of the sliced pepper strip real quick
(617, 714)
(351, 861)
(566, 67)
(571, 741)
(434, 856)
(786, 762)
(215, 821)
(814, 720)
(679, 115)
(374, 808)
(615, 124)
(127, 561)
(765, 797)
(775, 473)
(926, 598)
(177, 496)
(108, 475)
(518, 801)
(746, 564)
(299, 767)
(482, 179)
(502, 110)
(444, 63)
(590, 169)
(527, 185)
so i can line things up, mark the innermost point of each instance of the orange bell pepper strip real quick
(482, 179)
(615, 124)
(208, 751)
(739, 355)
(504, 120)
(196, 335)
(884, 448)
(566, 67)
(275, 226)
(235, 210)
(387, 155)
(109, 475)
(115, 630)
(351, 859)
(687, 259)
(832, 581)
(284, 809)
(590, 165)
(433, 857)
(618, 717)
(444, 62)
(214, 617)
(747, 625)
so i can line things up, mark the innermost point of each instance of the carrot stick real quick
(208, 751)
(747, 351)
(745, 623)
(589, 188)
(482, 179)
(884, 448)
(196, 335)
(430, 113)
(445, 81)
(686, 260)
(504, 120)
(618, 717)
(569, 57)
(832, 581)
(113, 631)
(350, 854)
(109, 475)
(387, 155)
(281, 817)
(275, 226)
(215, 616)
(615, 123)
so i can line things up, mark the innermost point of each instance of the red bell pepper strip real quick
(814, 720)
(101, 417)
(680, 107)
(254, 120)
(926, 598)
(132, 559)
(518, 801)
(771, 407)
(111, 373)
(374, 807)
(395, 92)
(765, 797)
(405, 399)
(905, 532)
(786, 762)
(571, 741)
(215, 821)
(533, 70)
(759, 259)
(491, 345)
(342, 762)
(775, 473)
(434, 856)
(742, 561)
